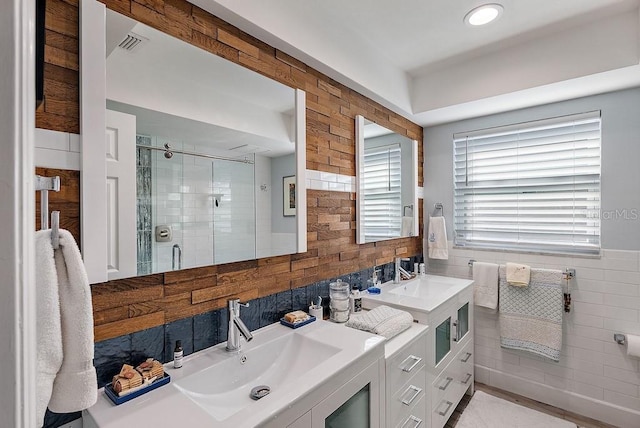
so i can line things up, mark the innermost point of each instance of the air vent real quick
(132, 42)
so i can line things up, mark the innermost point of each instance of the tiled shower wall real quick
(594, 374)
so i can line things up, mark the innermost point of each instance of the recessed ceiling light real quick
(484, 14)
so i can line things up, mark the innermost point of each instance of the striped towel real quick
(531, 317)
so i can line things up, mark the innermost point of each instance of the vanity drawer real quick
(442, 411)
(407, 362)
(415, 418)
(465, 371)
(445, 384)
(403, 402)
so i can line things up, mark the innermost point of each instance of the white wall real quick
(594, 376)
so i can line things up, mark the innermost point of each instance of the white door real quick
(120, 154)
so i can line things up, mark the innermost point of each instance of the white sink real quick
(423, 294)
(223, 389)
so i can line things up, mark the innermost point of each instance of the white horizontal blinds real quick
(382, 214)
(533, 186)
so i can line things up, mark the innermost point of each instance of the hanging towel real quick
(407, 226)
(485, 284)
(48, 331)
(382, 320)
(75, 387)
(531, 317)
(518, 275)
(437, 239)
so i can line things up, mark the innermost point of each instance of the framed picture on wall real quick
(289, 195)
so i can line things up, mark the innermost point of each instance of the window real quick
(533, 186)
(382, 215)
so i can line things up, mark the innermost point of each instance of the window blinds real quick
(533, 186)
(382, 214)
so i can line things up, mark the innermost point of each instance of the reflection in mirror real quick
(213, 141)
(387, 177)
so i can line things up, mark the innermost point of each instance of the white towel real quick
(75, 387)
(437, 239)
(518, 275)
(485, 284)
(382, 320)
(407, 226)
(48, 331)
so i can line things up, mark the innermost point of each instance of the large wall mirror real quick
(204, 164)
(387, 180)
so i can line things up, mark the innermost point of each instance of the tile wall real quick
(594, 377)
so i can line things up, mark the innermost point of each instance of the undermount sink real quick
(223, 388)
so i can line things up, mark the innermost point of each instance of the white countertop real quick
(168, 406)
(422, 294)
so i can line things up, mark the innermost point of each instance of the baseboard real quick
(570, 401)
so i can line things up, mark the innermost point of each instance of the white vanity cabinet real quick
(405, 377)
(446, 306)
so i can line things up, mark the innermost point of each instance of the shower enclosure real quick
(193, 209)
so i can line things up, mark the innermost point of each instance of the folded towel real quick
(48, 330)
(75, 387)
(382, 320)
(437, 240)
(407, 226)
(518, 274)
(531, 317)
(485, 284)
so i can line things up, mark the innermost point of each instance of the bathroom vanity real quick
(312, 371)
(446, 306)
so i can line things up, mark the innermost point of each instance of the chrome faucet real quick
(236, 326)
(399, 270)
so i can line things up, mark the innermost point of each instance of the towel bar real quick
(438, 206)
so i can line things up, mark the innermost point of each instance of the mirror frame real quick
(413, 192)
(93, 196)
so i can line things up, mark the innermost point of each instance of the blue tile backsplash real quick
(208, 329)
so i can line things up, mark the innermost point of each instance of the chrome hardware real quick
(457, 335)
(449, 404)
(620, 338)
(399, 271)
(446, 385)
(236, 326)
(416, 392)
(411, 418)
(467, 379)
(411, 367)
(464, 360)
(176, 263)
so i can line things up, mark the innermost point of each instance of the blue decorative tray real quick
(108, 389)
(297, 324)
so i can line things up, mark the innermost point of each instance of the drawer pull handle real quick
(416, 392)
(464, 360)
(456, 338)
(413, 419)
(415, 359)
(467, 379)
(446, 385)
(449, 404)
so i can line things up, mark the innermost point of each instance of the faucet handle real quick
(234, 304)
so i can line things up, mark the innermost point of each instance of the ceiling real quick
(418, 58)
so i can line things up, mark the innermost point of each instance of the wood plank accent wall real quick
(129, 305)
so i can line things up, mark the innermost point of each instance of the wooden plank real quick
(110, 315)
(236, 42)
(127, 326)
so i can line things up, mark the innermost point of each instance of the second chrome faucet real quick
(236, 327)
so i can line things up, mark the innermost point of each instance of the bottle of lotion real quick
(177, 355)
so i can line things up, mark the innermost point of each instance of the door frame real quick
(17, 211)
